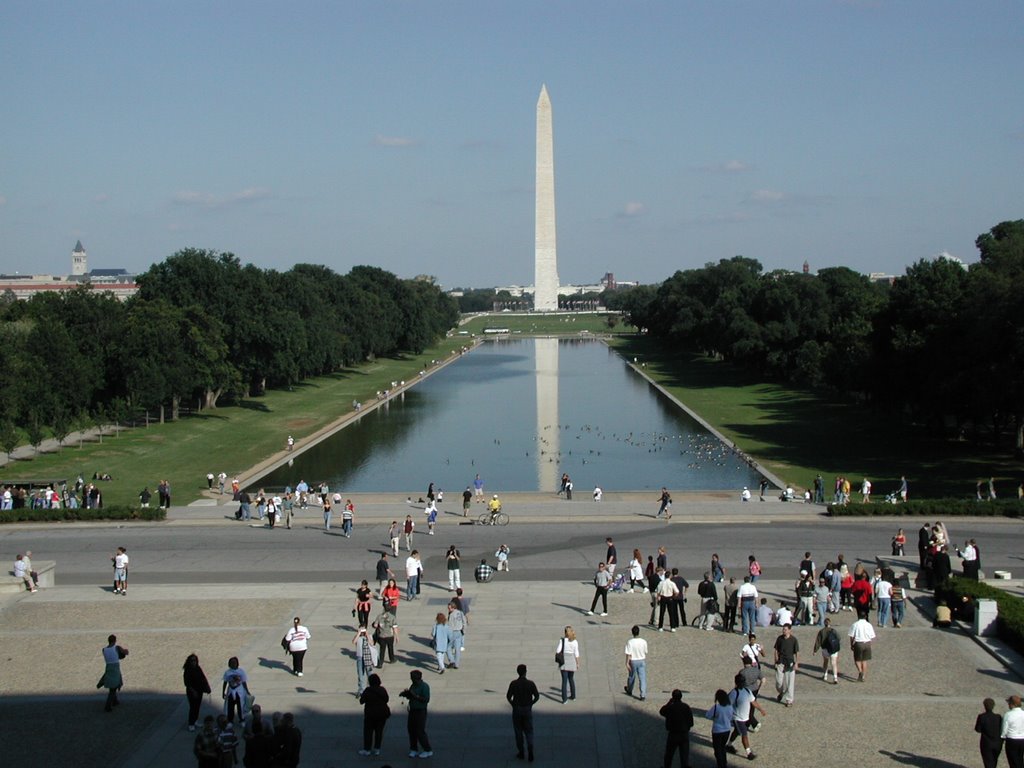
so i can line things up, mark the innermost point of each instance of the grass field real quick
(231, 439)
(546, 324)
(798, 434)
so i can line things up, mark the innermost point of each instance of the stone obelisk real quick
(545, 283)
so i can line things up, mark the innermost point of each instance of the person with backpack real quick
(829, 644)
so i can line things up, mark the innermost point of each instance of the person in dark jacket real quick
(989, 725)
(678, 722)
(376, 712)
(196, 685)
(287, 743)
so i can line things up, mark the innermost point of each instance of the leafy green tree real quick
(34, 431)
(9, 437)
(60, 425)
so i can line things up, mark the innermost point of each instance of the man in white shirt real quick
(636, 663)
(666, 594)
(969, 556)
(783, 616)
(413, 569)
(861, 634)
(747, 597)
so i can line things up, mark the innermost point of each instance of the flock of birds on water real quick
(700, 449)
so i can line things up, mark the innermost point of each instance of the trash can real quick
(985, 613)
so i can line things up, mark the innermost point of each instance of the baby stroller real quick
(619, 583)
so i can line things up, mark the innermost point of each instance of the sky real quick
(859, 133)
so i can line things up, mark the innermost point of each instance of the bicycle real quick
(492, 518)
(715, 618)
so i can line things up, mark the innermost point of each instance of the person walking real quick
(453, 561)
(861, 634)
(383, 573)
(297, 640)
(743, 701)
(467, 499)
(989, 725)
(113, 654)
(827, 641)
(412, 574)
(234, 690)
(665, 505)
(678, 722)
(721, 717)
(205, 748)
(376, 712)
(196, 685)
(348, 517)
(365, 661)
(120, 561)
(456, 629)
(386, 632)
(363, 604)
(394, 534)
(522, 694)
(391, 596)
(408, 529)
(787, 661)
(636, 663)
(441, 637)
(602, 580)
(418, 695)
(567, 656)
(1012, 733)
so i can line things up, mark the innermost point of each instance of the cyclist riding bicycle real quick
(494, 507)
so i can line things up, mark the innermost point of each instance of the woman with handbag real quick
(366, 652)
(567, 656)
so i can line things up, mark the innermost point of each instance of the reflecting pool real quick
(522, 412)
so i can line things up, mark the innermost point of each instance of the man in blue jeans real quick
(636, 663)
(747, 595)
(413, 568)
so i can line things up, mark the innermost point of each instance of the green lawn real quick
(231, 439)
(798, 434)
(546, 324)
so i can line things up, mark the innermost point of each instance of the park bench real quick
(47, 570)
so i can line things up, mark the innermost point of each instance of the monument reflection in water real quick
(521, 412)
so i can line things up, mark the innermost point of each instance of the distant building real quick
(117, 281)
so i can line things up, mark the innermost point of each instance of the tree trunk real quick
(211, 397)
(175, 407)
(161, 413)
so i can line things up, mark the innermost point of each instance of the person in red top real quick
(391, 596)
(862, 595)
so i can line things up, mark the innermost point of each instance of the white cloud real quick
(3, 200)
(633, 209)
(730, 166)
(766, 196)
(209, 201)
(394, 141)
(102, 197)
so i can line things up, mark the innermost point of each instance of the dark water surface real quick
(520, 413)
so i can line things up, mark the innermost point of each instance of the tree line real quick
(202, 329)
(942, 345)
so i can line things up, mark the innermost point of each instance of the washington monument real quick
(545, 281)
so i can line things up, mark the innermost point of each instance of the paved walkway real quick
(917, 707)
